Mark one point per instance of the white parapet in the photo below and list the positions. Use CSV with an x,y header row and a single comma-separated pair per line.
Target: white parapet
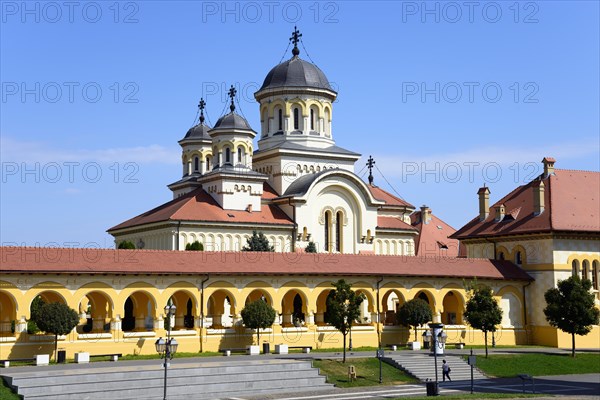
x,y
82,358
42,359
281,349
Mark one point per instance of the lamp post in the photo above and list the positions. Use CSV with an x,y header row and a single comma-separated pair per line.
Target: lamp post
x,y
167,348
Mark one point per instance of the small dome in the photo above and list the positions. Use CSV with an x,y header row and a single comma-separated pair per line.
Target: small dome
x,y
232,121
296,72
198,132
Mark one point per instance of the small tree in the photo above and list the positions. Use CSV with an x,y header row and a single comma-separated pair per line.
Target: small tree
x,y
310,248
415,313
343,307
35,308
194,246
258,315
482,311
57,319
126,245
570,308
258,242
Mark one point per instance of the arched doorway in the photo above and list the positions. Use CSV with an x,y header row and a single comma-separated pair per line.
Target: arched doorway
x,y
139,313
185,313
221,310
8,314
453,306
293,306
391,302
95,312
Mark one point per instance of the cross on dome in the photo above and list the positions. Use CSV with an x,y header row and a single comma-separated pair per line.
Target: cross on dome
x,y
296,35
232,92
370,164
201,106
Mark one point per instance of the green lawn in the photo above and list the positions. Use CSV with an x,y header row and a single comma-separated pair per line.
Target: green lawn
x,y
367,372
504,366
6,393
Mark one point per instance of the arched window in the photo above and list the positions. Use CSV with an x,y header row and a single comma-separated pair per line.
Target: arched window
x,y
312,119
239,155
196,164
227,155
327,230
280,119
574,267
595,275
501,256
518,258
296,119
585,267
208,163
339,223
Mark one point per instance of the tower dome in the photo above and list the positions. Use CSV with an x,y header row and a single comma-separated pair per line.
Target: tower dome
x,y
297,73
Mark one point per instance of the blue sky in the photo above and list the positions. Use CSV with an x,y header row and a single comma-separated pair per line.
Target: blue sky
x,y
444,95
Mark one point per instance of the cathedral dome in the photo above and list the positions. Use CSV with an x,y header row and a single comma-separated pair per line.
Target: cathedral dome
x,y
296,72
232,121
198,132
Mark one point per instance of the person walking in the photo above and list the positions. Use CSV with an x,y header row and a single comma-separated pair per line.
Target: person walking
x,y
446,371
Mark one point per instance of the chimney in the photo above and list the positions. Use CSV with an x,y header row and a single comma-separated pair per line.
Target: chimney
x,y
500,211
425,214
538,197
548,166
484,202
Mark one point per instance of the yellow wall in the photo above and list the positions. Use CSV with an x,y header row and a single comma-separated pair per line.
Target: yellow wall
x,y
107,296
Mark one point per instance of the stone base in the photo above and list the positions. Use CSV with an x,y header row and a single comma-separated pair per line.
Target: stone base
x,y
42,359
82,358
253,350
414,345
281,349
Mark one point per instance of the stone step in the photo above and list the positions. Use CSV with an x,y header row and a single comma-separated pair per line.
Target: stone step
x,y
190,380
193,380
422,367
93,375
227,389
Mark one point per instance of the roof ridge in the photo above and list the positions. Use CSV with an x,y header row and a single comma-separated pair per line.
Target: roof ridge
x,y
577,170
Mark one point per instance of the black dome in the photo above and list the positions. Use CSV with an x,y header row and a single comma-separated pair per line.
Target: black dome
x,y
199,131
296,72
232,121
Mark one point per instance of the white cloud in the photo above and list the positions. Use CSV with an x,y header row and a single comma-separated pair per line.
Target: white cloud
x,y
35,151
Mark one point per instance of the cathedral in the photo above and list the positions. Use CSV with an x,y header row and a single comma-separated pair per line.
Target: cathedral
x,y
299,188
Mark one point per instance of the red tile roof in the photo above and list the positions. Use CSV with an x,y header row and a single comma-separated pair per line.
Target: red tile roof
x,y
105,261
433,237
393,223
269,192
390,199
200,206
572,203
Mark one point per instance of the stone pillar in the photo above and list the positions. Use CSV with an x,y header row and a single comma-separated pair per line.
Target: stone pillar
x,y
98,324
179,322
320,318
115,324
310,319
286,319
159,323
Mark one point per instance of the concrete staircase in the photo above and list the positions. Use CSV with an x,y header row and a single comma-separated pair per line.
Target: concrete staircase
x,y
208,380
421,366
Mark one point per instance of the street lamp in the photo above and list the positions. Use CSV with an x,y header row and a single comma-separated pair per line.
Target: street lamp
x,y
167,348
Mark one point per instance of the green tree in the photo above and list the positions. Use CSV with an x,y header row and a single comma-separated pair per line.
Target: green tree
x,y
258,242
343,307
258,315
310,248
570,308
57,319
415,313
194,246
483,311
36,306
126,245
